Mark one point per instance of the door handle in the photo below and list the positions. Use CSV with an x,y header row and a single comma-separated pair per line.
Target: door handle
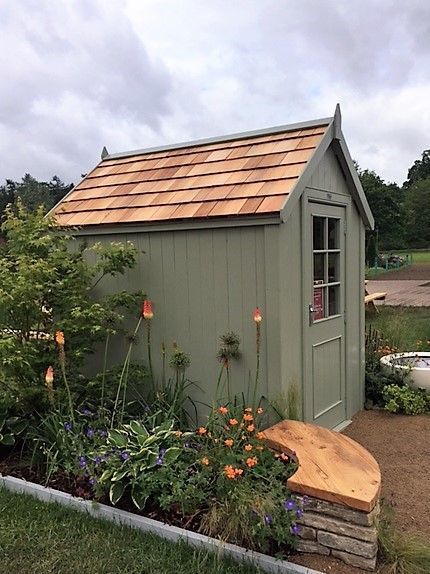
x,y
311,313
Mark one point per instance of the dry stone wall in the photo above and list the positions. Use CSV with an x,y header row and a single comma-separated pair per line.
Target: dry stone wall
x,y
345,533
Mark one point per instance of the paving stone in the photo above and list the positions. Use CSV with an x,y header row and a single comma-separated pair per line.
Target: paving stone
x,y
321,522
354,560
307,533
343,512
346,544
312,547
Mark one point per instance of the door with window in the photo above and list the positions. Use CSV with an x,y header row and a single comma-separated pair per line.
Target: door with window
x,y
324,296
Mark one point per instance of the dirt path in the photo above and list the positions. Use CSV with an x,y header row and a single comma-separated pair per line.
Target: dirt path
x,y
416,271
401,445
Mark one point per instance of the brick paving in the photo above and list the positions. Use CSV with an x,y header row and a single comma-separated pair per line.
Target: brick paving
x,y
403,292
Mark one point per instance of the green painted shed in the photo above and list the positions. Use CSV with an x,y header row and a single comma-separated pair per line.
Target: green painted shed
x,y
273,218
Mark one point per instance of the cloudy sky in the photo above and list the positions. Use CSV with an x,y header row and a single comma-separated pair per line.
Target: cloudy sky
x,y
81,74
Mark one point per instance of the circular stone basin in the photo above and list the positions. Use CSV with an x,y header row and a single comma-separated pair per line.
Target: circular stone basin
x,y
416,366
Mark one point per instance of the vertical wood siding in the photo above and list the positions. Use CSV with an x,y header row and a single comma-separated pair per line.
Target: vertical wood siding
x,y
203,283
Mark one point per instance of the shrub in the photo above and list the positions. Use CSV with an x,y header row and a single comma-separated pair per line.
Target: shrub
x,y
405,400
47,285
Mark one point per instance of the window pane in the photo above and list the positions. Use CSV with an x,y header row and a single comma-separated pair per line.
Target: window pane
x,y
333,233
333,267
319,303
318,232
319,263
333,300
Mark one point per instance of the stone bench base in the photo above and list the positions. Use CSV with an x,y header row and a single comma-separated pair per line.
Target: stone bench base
x,y
335,530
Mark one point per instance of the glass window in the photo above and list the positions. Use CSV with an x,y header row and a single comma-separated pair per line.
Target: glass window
x,y
326,267
319,233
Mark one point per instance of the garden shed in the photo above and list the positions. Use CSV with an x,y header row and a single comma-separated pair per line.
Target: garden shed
x,y
273,219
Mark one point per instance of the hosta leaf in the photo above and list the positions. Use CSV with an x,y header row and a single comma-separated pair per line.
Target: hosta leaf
x,y
7,439
118,439
116,491
119,475
138,429
139,497
171,455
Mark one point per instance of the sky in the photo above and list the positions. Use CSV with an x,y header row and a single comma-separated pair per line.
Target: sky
x,y
78,75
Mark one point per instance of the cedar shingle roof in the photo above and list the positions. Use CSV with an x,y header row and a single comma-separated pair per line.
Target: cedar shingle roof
x,y
236,177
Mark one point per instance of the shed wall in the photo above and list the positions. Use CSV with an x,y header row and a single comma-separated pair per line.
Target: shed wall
x,y
203,283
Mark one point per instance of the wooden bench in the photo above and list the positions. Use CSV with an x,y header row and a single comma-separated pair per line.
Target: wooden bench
x,y
332,466
370,298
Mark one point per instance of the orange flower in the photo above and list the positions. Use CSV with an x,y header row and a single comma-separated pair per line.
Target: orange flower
x,y
228,442
233,422
284,457
248,410
229,471
238,471
205,461
147,311
260,435
257,315
49,377
250,428
223,410
252,461
59,338
260,411
248,418
202,430
178,433
248,447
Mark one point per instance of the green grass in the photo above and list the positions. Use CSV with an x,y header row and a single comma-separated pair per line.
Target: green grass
x,y
40,538
422,256
407,328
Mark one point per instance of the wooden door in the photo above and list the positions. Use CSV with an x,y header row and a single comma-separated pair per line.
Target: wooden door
x,y
324,321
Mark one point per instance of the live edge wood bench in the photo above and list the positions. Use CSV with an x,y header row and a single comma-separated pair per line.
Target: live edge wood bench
x,y
341,483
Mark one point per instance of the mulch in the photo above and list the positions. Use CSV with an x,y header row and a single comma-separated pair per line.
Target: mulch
x,y
416,271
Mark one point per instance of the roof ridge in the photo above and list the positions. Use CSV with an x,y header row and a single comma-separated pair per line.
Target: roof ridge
x,y
223,138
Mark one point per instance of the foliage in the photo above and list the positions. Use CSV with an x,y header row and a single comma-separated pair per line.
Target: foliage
x,y
417,213
10,427
32,193
405,328
386,202
405,400
420,170
47,286
401,553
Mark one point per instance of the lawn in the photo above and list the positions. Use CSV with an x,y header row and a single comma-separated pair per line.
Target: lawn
x,y
407,328
40,538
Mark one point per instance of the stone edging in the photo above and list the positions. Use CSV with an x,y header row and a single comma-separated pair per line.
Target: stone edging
x,y
173,533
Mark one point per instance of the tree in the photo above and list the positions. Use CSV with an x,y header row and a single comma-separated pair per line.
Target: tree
x,y
33,193
48,285
386,203
417,208
420,170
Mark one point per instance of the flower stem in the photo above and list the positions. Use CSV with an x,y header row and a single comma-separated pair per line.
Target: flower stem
x,y
104,369
257,369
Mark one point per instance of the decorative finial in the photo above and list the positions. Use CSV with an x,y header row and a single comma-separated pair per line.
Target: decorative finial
x,y
337,123
105,152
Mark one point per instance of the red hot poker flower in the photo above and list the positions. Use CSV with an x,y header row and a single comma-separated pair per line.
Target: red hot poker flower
x,y
59,338
257,315
147,310
49,376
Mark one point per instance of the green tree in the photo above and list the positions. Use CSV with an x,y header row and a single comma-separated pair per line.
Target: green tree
x,y
48,285
420,170
417,208
386,203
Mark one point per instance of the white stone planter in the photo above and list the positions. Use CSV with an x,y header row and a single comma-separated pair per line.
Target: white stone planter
x,y
173,533
414,366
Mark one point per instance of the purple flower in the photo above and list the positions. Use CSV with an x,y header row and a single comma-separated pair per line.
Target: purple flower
x,y
90,432
85,411
305,500
67,427
299,513
82,461
294,529
92,481
187,445
98,460
289,504
124,455
268,519
162,452
102,433
159,461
